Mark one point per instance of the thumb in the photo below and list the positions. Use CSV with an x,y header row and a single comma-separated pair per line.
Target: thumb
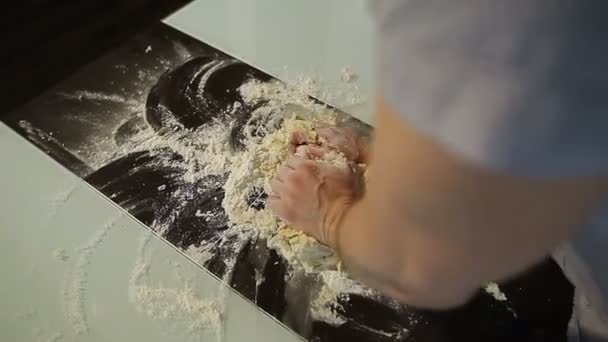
x,y
299,138
311,151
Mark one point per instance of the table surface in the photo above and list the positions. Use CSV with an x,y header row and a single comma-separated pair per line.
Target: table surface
x,y
70,272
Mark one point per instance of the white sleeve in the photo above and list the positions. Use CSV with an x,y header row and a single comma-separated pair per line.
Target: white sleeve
x,y
519,86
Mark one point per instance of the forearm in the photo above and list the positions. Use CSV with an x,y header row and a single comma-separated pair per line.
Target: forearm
x,y
396,261
430,229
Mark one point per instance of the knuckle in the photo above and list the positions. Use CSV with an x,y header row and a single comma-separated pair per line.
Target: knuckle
x,y
274,185
291,177
309,166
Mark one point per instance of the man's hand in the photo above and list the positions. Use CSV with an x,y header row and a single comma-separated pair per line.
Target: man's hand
x,y
345,140
313,196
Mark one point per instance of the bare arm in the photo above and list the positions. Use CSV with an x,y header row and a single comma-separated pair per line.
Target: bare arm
x,y
431,229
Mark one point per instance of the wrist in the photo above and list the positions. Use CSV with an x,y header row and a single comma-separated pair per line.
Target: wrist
x,y
334,221
363,148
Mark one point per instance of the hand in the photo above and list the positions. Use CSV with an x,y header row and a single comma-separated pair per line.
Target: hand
x,y
344,140
312,196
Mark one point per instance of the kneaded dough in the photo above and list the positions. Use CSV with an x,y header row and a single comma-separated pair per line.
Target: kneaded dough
x,y
300,250
255,168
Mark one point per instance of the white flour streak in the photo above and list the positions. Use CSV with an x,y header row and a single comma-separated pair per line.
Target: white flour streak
x,y
61,254
334,285
55,337
182,52
81,95
64,196
199,254
76,289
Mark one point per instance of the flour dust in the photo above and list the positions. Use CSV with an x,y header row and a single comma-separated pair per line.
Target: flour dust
x,y
75,290
179,305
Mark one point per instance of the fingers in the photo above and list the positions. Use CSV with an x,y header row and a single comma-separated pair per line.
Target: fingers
x,y
298,138
277,187
341,139
328,132
279,208
316,151
302,151
303,165
291,174
283,173
311,151
333,136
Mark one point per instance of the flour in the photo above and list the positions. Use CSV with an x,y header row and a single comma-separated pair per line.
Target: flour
x,y
279,94
348,75
177,304
28,315
493,290
56,337
81,95
204,151
200,254
335,284
165,303
76,289
61,199
61,254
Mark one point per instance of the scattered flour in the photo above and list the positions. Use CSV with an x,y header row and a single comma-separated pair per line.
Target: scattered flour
x,y
158,302
55,337
177,304
31,314
278,94
61,198
348,75
493,290
200,254
61,254
204,151
162,187
81,95
148,49
76,288
334,285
